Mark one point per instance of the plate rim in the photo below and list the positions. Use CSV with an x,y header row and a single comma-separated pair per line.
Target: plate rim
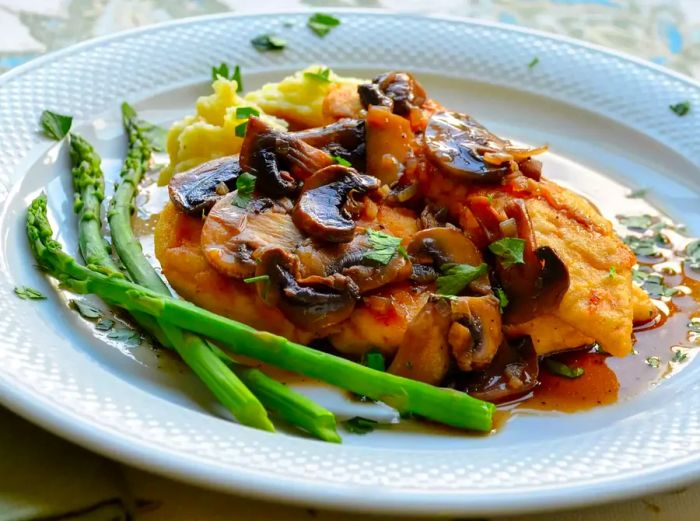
x,y
33,406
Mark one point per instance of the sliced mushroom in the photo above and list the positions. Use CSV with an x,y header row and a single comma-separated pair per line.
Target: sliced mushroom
x,y
196,190
399,91
231,235
278,159
512,373
311,303
327,204
475,333
538,284
345,139
432,248
424,353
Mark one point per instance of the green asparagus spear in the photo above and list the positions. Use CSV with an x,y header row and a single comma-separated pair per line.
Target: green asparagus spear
x,y
295,408
407,396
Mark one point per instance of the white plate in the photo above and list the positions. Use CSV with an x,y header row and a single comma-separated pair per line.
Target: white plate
x,y
607,120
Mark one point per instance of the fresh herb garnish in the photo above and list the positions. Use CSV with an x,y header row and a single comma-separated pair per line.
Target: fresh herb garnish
x,y
692,251
680,109
54,125
341,161
679,356
637,194
323,75
636,222
374,360
257,278
490,198
533,62
123,334
653,361
612,272
652,283
694,325
322,23
241,128
268,42
643,246
510,250
246,112
245,186
27,293
561,369
360,425
456,277
104,325
384,247
86,310
223,71
502,298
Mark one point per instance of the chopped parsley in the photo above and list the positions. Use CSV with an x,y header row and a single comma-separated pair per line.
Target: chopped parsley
x,y
694,325
692,251
502,298
637,194
54,125
27,293
510,250
86,310
360,425
258,278
383,247
129,336
104,325
653,361
246,112
652,283
268,42
490,198
341,161
223,71
680,109
679,357
612,272
533,62
322,23
374,360
643,246
245,186
241,128
561,369
636,222
323,75
456,277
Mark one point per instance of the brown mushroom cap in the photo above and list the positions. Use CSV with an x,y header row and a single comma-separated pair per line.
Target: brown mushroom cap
x,y
311,303
196,190
277,159
399,91
326,205
475,333
345,139
231,235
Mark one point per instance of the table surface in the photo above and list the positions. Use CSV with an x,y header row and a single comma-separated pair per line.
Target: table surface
x,y
663,31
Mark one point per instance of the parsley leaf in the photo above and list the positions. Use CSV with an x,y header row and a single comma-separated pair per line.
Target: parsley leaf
x,y
322,24
323,75
245,186
637,194
680,109
240,129
692,252
384,247
533,62
636,222
456,277
86,310
502,298
679,356
360,425
129,336
27,293
268,42
510,250
223,71
652,283
54,125
612,272
246,112
341,161
374,360
561,369
642,246
653,361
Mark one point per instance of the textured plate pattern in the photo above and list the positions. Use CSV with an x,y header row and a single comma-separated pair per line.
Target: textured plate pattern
x,y
87,79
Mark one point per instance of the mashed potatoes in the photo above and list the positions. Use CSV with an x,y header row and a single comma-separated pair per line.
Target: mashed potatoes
x,y
211,132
